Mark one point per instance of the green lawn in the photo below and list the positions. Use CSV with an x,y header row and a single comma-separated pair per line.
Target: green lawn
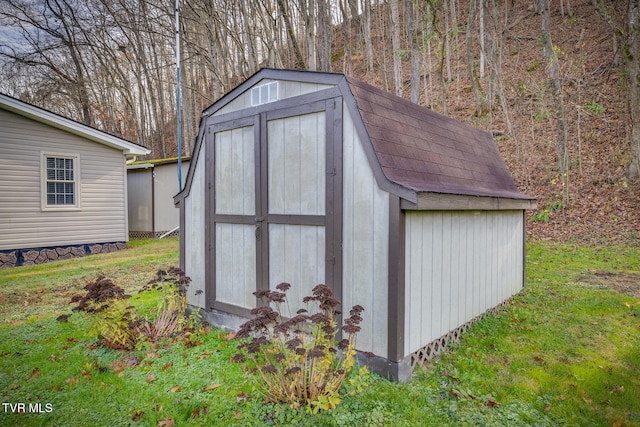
x,y
566,351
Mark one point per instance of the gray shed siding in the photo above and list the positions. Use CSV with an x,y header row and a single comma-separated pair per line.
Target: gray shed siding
x,y
167,217
140,199
193,233
286,89
102,216
365,243
458,265
372,206
150,189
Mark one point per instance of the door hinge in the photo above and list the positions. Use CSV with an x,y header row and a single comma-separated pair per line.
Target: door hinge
x,y
332,172
331,260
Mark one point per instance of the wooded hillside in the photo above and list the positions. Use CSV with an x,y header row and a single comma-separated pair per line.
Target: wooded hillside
x,y
556,81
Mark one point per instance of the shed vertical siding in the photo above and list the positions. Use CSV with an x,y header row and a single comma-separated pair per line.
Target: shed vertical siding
x,y
167,217
235,171
23,224
365,243
194,232
287,89
297,158
236,264
458,265
140,198
296,256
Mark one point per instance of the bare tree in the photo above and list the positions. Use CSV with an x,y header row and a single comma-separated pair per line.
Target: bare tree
x,y
394,22
50,45
482,105
551,54
632,63
412,35
366,29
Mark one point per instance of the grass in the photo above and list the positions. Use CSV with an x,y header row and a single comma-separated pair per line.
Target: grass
x,y
566,351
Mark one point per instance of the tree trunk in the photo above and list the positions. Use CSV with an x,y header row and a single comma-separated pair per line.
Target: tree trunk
x,y
292,35
367,35
632,61
409,17
482,106
395,45
324,35
553,66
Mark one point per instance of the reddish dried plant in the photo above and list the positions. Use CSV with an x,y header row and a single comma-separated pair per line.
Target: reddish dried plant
x,y
302,360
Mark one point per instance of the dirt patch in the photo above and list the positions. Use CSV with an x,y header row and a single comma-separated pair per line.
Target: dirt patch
x,y
625,283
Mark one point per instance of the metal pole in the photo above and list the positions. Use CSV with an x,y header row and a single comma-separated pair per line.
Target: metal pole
x,y
179,130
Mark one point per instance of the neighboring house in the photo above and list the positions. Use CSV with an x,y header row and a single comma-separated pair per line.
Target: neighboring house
x,y
63,190
150,187
311,178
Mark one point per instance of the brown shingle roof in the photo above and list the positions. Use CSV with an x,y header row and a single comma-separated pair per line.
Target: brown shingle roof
x,y
424,151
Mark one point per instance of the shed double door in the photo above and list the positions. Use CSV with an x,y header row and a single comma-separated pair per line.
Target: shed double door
x,y
275,219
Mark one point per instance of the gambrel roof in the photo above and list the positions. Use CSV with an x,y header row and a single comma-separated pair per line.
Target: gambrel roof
x,y
414,152
47,117
424,151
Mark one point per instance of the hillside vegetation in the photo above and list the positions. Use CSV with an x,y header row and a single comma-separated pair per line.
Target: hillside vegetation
x,y
556,82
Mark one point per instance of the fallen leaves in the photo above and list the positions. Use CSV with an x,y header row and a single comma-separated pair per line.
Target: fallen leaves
x,y
195,414
119,365
212,387
175,388
492,403
34,373
228,337
73,381
167,422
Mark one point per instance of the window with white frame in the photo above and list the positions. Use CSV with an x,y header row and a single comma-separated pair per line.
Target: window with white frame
x,y
264,93
60,181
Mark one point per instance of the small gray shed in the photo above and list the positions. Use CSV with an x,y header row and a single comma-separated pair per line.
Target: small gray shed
x,y
151,186
308,178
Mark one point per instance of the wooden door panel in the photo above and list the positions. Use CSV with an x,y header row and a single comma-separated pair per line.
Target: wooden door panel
x,y
296,256
235,171
297,165
236,264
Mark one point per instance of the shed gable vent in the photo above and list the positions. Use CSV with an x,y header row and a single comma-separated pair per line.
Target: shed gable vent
x,y
264,93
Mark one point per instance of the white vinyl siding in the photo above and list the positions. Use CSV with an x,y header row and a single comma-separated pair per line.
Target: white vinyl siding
x,y
458,265
102,186
365,243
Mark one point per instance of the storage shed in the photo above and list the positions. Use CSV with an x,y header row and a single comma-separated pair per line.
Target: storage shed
x,y
151,186
309,178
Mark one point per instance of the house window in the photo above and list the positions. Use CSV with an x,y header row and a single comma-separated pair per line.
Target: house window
x,y
264,93
60,181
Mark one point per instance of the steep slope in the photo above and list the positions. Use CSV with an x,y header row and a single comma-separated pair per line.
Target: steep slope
x,y
593,203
